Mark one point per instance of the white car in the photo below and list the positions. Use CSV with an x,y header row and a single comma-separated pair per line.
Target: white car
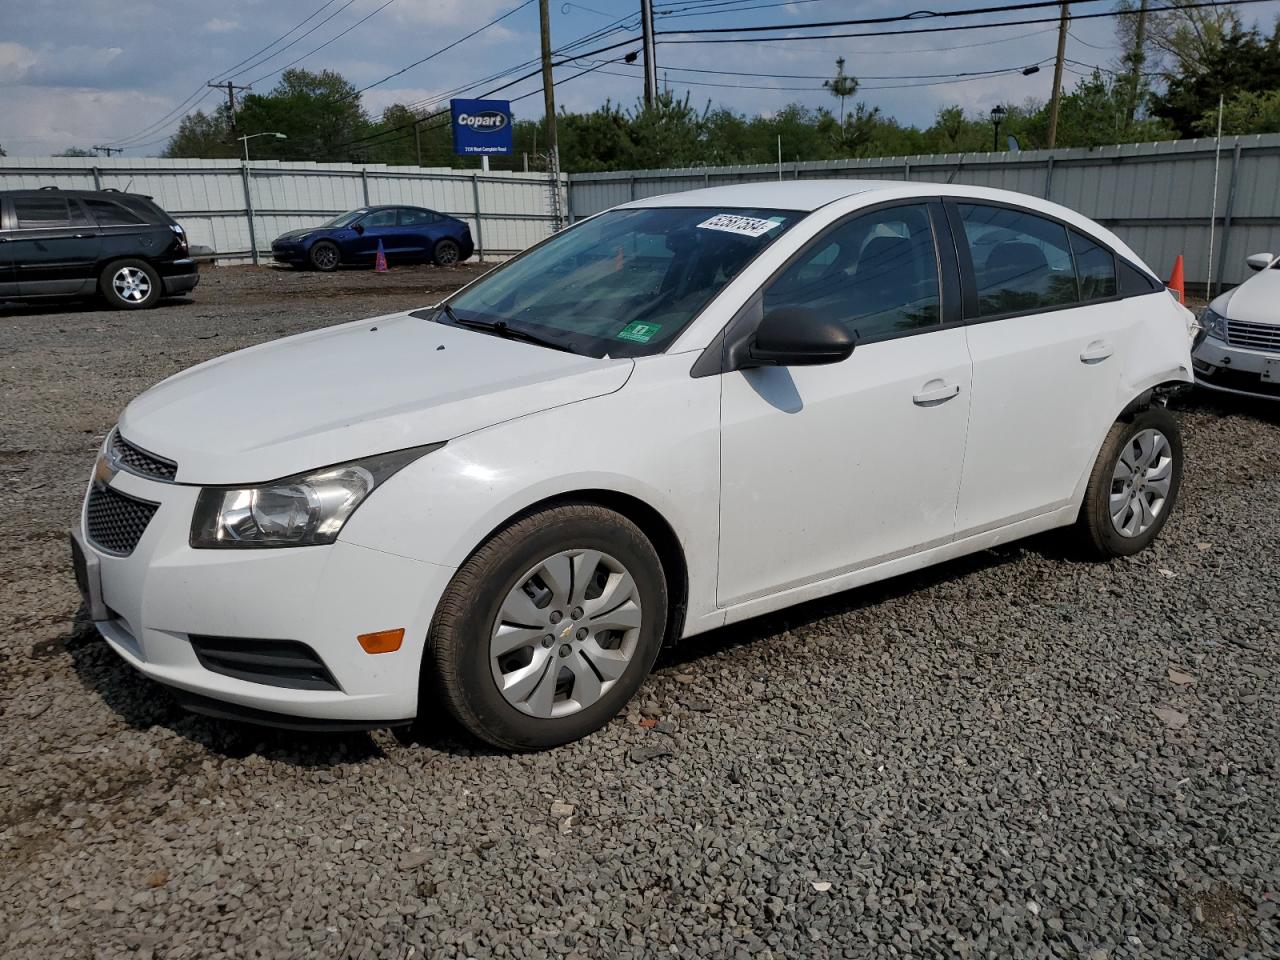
x,y
680,413
1239,350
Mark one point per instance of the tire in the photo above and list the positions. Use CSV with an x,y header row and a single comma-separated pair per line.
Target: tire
x,y
130,285
446,252
324,256
1134,485
503,596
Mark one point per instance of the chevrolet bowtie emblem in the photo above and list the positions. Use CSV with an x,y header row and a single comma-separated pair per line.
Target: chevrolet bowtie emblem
x,y
564,634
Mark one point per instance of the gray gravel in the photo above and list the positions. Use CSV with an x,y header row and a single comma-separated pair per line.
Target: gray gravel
x,y
1015,754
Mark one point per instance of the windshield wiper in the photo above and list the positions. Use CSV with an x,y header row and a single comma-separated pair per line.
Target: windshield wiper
x,y
501,328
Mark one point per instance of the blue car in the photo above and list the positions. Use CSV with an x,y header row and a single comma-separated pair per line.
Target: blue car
x,y
406,234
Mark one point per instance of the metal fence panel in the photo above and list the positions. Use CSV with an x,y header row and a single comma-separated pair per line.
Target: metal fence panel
x,y
209,196
1158,197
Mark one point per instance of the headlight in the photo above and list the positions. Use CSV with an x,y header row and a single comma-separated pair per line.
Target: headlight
x,y
1214,324
298,511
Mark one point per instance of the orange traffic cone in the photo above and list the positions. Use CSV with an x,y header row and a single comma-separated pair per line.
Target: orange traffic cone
x,y
380,261
1176,282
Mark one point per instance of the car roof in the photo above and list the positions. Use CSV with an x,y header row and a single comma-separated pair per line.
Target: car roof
x,y
61,192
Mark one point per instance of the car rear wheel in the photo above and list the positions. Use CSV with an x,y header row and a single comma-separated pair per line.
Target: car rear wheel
x,y
325,256
549,629
446,252
130,285
1134,485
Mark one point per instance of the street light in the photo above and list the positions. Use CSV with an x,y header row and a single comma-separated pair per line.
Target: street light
x,y
247,137
997,115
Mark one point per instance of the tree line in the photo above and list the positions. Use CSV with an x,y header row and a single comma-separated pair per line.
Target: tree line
x,y
1167,85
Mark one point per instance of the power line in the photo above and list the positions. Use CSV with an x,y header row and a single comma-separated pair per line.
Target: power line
x,y
336,36
257,53
301,36
948,29
436,53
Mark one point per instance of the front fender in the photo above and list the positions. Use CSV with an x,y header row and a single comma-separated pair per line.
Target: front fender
x,y
656,440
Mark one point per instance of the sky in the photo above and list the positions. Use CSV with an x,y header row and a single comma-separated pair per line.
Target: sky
x,y
86,72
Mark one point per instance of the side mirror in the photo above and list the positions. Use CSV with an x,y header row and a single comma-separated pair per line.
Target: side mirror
x,y
798,336
358,227
1259,261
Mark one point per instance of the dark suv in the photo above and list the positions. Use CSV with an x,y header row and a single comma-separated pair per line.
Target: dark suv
x,y
74,243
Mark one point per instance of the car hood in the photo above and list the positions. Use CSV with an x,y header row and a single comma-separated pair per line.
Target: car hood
x,y
1257,300
351,391
297,234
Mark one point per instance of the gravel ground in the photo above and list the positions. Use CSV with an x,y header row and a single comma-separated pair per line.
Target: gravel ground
x,y
1016,754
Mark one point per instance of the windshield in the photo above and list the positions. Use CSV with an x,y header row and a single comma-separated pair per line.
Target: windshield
x,y
345,219
625,283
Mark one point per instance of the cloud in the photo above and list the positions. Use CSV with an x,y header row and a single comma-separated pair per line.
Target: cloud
x,y
50,119
219,25
15,61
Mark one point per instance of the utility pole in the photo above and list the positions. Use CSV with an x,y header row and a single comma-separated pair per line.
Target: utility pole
x,y
231,89
1137,59
1057,76
417,141
108,150
650,57
549,105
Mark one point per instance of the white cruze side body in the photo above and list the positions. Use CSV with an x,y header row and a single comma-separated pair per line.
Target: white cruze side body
x,y
735,475
1241,354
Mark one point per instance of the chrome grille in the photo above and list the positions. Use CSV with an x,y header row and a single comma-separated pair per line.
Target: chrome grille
x,y
139,461
1259,336
116,521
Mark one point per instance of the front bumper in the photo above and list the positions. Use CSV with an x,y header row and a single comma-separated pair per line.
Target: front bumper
x,y
288,253
149,604
1230,369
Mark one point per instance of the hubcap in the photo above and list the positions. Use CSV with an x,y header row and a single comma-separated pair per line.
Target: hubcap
x,y
326,256
131,284
565,634
448,253
1140,483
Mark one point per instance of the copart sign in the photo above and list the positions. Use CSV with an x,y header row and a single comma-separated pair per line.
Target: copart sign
x,y
481,126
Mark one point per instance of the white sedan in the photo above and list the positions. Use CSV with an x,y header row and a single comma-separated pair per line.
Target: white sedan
x,y
683,412
1239,350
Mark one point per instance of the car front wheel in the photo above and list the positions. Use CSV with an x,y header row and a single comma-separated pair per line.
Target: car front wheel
x,y
325,256
130,285
1134,485
549,629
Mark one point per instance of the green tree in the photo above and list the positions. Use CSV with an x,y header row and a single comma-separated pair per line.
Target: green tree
x,y
205,135
77,152
842,85
1245,62
1246,112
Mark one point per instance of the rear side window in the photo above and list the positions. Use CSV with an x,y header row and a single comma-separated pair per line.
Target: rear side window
x,y
108,213
1021,262
37,212
877,274
1095,268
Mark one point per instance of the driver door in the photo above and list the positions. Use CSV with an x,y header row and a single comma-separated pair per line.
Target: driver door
x,y
828,469
378,225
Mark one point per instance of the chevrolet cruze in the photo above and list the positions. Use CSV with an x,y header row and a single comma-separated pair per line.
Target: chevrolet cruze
x,y
677,414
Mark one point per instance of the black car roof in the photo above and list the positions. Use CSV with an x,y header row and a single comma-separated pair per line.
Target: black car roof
x,y
44,191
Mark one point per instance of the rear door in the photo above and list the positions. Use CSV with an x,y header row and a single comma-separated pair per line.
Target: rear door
x,y
1049,341
54,246
421,229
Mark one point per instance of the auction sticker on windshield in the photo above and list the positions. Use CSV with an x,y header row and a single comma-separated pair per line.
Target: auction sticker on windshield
x,y
742,226
639,332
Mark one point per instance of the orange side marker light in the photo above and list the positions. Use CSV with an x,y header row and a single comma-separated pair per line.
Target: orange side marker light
x,y
384,641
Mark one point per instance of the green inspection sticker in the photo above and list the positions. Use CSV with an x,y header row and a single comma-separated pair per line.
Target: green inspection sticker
x,y
639,332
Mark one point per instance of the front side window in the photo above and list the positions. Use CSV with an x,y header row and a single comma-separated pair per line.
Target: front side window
x,y
380,218
877,274
625,283
1021,262
345,219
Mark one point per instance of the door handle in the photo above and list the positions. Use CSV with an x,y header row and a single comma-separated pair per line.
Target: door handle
x,y
1097,351
83,236
936,392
